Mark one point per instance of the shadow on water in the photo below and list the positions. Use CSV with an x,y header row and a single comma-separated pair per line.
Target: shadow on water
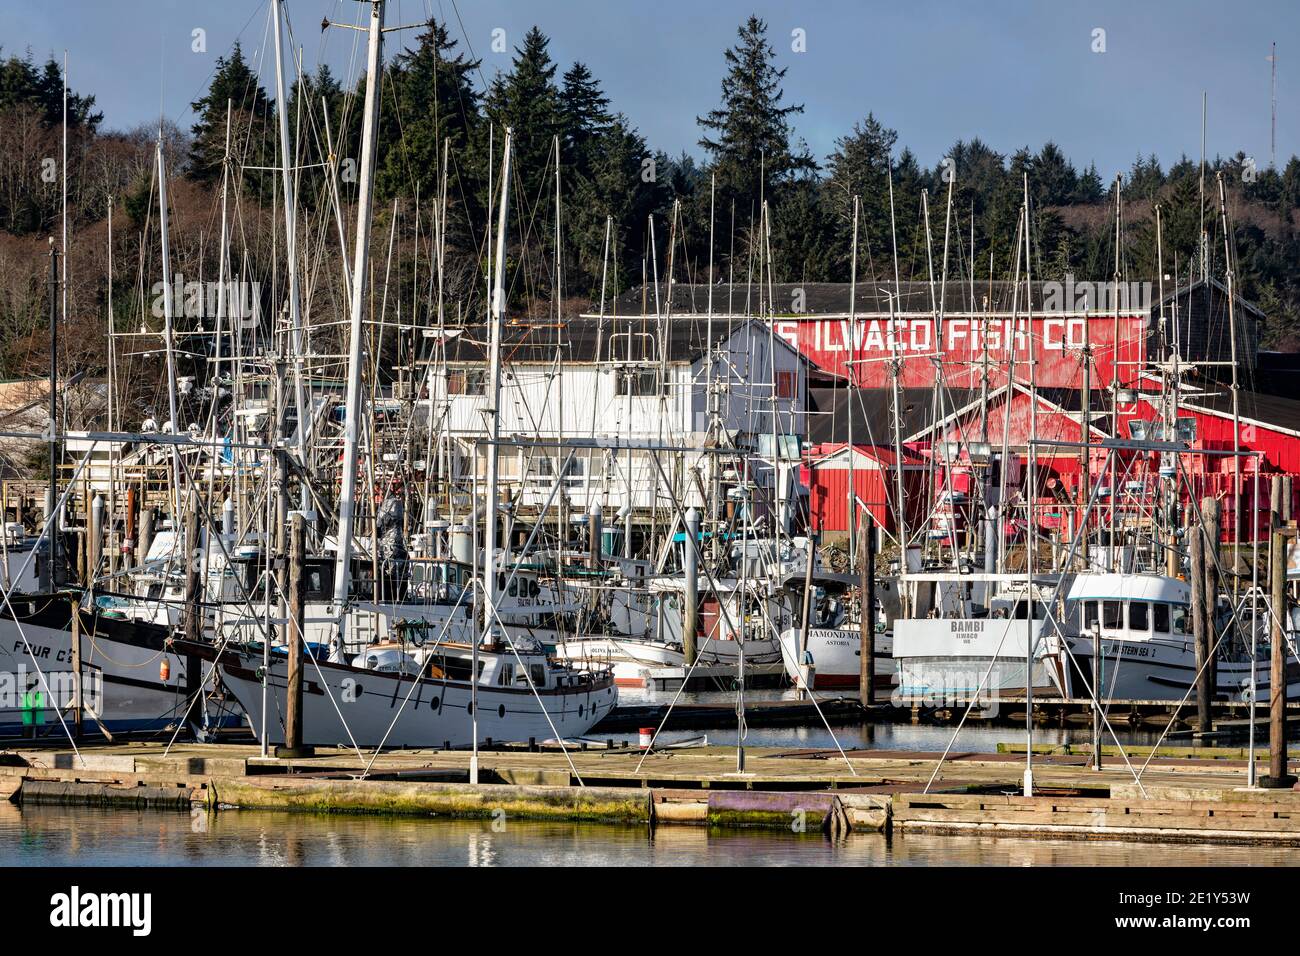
x,y
78,836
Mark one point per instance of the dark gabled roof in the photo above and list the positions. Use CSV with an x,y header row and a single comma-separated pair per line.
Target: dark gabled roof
x,y
1216,287
588,339
821,298
871,412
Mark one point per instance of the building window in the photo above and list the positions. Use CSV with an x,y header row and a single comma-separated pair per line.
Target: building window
x,y
466,381
639,383
787,382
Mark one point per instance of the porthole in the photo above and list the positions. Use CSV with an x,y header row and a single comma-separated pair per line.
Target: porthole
x,y
580,709
501,711
434,703
469,708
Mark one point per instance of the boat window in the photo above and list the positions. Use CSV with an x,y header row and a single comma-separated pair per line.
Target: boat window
x,y
1138,617
1089,614
1112,615
1021,611
1161,618
513,590
539,674
1180,619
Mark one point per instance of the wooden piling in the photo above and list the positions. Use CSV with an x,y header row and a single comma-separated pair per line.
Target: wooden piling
x,y
77,697
297,601
1277,778
1213,560
1200,628
867,613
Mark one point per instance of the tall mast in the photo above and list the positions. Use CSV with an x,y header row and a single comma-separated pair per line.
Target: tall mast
x,y
168,297
896,369
1031,490
1236,410
853,330
493,411
1203,240
1272,116
290,247
1114,377
356,334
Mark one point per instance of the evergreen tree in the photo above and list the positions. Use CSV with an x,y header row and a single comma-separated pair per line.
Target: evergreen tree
x,y
253,133
859,166
1089,189
748,137
527,100
613,186
584,112
435,101
21,84
1052,179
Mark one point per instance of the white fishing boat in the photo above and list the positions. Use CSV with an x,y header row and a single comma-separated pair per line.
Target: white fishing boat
x,y
130,680
421,695
1148,651
833,655
961,651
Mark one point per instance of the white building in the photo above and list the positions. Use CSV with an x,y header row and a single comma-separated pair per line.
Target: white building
x,y
640,381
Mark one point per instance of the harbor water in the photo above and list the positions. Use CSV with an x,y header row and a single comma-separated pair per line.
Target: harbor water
x,y
46,835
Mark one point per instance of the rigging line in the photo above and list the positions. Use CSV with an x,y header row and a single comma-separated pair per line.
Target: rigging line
x,y
210,525
1050,619
54,548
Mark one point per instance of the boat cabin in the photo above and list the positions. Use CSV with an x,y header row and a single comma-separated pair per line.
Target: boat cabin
x,y
1132,606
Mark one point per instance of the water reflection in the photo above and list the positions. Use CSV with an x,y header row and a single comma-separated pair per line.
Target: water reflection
x,y
77,836
975,735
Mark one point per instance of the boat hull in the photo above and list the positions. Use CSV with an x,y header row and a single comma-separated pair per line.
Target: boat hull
x,y
122,664
1161,670
836,657
348,706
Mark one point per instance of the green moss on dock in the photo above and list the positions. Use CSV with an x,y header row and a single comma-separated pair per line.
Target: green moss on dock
x,y
463,801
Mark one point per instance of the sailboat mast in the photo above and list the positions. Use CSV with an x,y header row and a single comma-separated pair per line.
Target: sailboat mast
x,y
168,298
1236,409
493,411
356,334
289,192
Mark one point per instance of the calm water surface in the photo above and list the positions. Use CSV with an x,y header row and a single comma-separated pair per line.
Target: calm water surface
x,y
78,836
975,735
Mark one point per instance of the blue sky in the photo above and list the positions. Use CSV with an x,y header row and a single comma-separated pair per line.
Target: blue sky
x,y
1013,72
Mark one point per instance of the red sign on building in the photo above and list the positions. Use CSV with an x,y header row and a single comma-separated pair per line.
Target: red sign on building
x,y
967,347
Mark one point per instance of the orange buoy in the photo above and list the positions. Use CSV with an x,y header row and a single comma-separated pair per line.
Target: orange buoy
x,y
165,670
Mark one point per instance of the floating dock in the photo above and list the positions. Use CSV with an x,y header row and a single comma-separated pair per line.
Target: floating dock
x,y
1183,794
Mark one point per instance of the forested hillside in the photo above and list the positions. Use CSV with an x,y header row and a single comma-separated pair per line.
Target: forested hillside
x,y
437,100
